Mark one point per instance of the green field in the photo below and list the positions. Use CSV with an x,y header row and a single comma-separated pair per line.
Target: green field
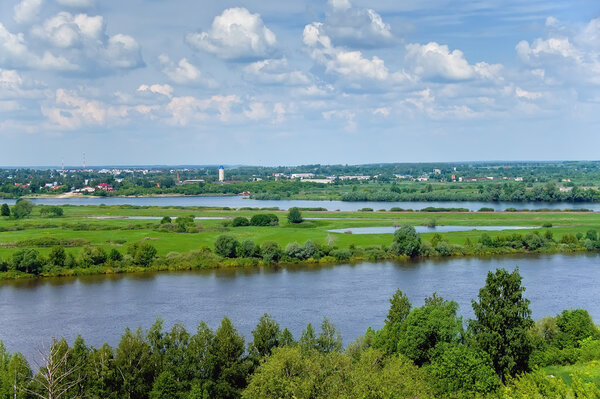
x,y
80,222
588,372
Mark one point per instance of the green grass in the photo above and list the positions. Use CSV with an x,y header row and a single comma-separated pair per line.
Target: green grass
x,y
588,372
121,232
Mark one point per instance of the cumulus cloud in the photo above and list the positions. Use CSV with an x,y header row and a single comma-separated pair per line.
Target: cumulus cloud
x,y
256,111
16,87
349,64
528,95
27,10
236,34
436,61
274,71
345,115
565,55
184,72
78,43
15,53
347,25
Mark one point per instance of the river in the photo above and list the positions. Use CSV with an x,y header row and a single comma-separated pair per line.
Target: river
x,y
354,297
239,202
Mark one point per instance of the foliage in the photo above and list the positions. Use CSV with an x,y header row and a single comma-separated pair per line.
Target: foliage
x,y
406,241
240,221
503,319
264,219
22,209
226,246
4,210
294,215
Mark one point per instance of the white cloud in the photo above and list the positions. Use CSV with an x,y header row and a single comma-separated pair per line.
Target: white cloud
x,y
184,73
352,26
165,90
528,95
236,34
184,110
82,39
274,71
565,55
27,10
257,111
72,111
14,53
350,64
436,61
383,111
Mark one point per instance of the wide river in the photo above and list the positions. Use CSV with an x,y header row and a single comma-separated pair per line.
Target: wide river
x,y
354,297
238,202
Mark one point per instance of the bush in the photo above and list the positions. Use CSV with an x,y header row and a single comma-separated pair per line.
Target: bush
x,y
240,221
341,254
406,241
271,252
27,261
264,219
547,225
52,211
165,220
248,249
22,209
226,246
484,209
4,210
294,215
142,254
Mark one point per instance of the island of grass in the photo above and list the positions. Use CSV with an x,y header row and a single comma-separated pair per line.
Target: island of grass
x,y
122,238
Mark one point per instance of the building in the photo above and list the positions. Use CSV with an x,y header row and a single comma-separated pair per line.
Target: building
x,y
303,175
221,174
105,187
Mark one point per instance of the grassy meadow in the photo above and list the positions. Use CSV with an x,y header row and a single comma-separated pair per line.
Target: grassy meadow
x,y
82,223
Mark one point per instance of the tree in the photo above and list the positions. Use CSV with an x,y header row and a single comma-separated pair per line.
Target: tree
x,y
329,339
387,338
4,210
573,327
240,221
406,241
271,252
503,319
248,249
267,336
57,256
425,327
226,246
462,370
294,215
22,209
165,387
142,253
27,261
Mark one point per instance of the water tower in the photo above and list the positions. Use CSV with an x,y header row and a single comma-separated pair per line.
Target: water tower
x,y
221,174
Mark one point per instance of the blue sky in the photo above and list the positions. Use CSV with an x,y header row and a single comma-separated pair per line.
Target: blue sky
x,y
284,83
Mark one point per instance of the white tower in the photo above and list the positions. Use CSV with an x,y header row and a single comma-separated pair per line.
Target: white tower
x,y
221,174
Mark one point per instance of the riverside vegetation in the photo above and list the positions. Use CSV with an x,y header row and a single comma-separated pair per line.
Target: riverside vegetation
x,y
72,240
420,352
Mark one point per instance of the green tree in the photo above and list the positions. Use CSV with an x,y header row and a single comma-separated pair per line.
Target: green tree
x,y
22,209
114,255
248,249
134,368
573,327
226,246
462,371
406,241
165,386
271,251
240,221
27,261
425,327
294,215
57,256
267,335
503,319
142,253
329,339
4,210
387,338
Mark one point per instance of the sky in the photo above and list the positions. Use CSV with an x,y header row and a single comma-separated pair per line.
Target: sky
x,y
286,83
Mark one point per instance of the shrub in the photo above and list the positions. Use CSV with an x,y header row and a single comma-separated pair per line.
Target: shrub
x,y
226,246
165,220
341,254
240,221
406,241
22,209
4,210
547,225
484,209
264,219
271,252
248,249
142,254
294,215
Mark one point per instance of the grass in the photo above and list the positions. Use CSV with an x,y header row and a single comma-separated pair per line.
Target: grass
x,y
588,372
109,233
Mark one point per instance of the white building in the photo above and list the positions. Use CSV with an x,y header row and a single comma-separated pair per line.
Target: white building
x,y
303,175
221,174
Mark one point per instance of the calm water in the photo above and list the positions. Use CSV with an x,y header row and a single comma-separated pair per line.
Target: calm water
x,y
354,297
238,202
426,229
